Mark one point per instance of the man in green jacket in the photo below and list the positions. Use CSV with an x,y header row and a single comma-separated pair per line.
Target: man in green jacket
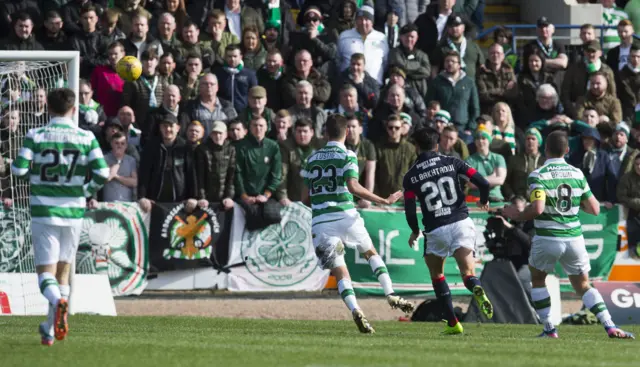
x,y
258,165
458,94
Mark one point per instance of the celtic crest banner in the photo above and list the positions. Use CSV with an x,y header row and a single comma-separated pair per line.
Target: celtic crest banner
x,y
279,257
114,241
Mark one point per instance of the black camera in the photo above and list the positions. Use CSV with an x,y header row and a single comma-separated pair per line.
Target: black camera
x,y
494,236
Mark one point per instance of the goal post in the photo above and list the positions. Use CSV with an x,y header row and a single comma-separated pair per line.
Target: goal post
x,y
25,79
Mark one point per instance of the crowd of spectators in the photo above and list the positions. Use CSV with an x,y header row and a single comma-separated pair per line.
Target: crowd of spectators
x,y
234,95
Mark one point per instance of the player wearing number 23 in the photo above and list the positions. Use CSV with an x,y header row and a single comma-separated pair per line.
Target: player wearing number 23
x,y
434,182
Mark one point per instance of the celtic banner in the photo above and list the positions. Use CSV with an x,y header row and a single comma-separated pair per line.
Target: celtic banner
x,y
389,232
114,241
277,258
181,240
16,254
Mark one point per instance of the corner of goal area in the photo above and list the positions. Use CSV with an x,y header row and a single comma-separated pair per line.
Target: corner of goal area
x,y
20,295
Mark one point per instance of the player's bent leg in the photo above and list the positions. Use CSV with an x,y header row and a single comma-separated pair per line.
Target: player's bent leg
x,y
594,302
382,274
542,302
345,288
61,315
443,294
466,263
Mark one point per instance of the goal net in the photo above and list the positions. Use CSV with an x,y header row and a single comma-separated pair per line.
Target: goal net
x,y
26,77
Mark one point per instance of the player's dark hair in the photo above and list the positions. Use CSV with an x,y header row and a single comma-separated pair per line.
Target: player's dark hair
x,y
61,101
304,122
336,127
557,143
426,138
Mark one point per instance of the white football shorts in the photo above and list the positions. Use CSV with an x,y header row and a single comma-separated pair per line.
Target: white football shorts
x,y
570,253
350,231
444,241
53,244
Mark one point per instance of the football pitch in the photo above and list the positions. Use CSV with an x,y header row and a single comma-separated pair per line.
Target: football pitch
x,y
195,341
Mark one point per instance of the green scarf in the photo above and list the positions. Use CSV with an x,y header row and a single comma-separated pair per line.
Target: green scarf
x,y
93,105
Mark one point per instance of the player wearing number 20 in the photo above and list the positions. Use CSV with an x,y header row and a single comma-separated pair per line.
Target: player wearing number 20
x,y
558,190
55,159
331,177
434,181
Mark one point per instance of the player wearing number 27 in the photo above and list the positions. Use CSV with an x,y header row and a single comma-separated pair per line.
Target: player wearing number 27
x,y
434,181
558,190
55,159
331,180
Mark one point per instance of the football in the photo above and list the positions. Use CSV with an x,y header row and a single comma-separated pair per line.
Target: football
x,y
129,68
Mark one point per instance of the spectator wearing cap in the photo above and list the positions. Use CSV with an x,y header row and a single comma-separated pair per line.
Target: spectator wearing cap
x,y
192,45
519,166
235,80
278,14
489,164
532,76
356,75
257,107
596,166
628,85
316,39
413,100
145,94
457,93
394,156
215,168
618,57
612,15
123,172
471,56
304,108
365,152
496,80
294,156
413,61
576,79
258,176
270,77
272,41
50,35
393,104
621,154
208,107
450,142
554,53
600,98
432,24
367,41
89,41
217,34
303,70
166,170
343,19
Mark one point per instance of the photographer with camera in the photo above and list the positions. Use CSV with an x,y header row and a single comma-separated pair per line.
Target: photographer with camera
x,y
511,240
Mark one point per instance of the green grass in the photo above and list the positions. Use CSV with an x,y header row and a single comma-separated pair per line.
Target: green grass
x,y
190,341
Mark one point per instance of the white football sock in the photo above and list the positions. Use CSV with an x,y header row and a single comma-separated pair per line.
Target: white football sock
x,y
380,271
542,304
65,290
594,302
49,288
348,295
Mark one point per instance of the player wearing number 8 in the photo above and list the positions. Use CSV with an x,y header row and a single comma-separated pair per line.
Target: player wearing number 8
x,y
331,180
434,182
56,159
558,190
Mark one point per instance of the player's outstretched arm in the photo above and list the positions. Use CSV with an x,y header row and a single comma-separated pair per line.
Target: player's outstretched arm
x,y
22,164
538,199
356,189
410,211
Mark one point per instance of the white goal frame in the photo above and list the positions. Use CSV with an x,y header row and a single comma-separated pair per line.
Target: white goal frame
x,y
72,59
